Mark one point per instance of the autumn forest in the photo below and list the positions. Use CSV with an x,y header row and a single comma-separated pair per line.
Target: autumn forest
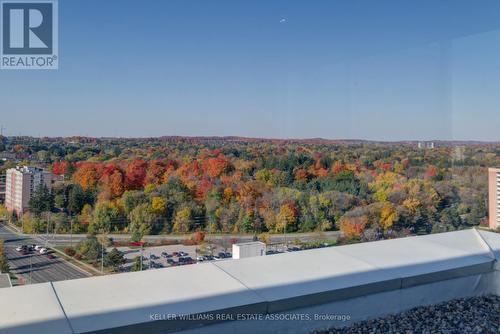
x,y
367,190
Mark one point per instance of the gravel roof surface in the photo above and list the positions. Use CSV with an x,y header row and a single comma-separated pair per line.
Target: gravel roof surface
x,y
471,315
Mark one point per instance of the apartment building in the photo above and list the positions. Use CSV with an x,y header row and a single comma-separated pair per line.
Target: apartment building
x,y
21,183
494,197
2,187
426,145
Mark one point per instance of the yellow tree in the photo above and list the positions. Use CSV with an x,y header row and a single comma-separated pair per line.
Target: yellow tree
x,y
287,217
388,216
159,205
411,204
182,220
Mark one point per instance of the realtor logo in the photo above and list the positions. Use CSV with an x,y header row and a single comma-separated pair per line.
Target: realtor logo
x,y
29,34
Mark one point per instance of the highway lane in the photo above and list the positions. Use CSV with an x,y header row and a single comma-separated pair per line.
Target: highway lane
x,y
66,239
36,268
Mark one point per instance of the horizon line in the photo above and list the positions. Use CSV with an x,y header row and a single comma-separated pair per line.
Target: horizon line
x,y
228,137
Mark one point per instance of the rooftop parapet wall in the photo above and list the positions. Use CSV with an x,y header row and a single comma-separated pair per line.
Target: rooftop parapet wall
x,y
137,302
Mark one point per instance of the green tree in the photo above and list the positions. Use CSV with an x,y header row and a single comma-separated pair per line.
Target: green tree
x,y
41,201
90,248
105,214
59,201
477,212
114,259
133,198
141,221
4,264
77,198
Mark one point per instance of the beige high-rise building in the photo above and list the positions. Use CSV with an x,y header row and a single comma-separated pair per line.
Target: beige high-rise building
x,y
494,197
21,183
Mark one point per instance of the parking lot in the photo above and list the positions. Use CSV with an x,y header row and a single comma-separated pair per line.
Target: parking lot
x,y
170,256
177,255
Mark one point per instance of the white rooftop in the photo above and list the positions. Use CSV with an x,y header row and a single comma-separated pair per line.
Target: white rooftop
x,y
255,285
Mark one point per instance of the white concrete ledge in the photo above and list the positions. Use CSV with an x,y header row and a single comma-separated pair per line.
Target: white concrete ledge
x,y
139,302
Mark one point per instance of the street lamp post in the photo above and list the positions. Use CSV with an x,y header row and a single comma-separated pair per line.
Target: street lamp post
x,y
285,241
102,258
47,233
141,255
103,238
31,265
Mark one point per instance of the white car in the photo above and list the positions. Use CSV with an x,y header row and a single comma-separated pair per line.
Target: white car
x,y
38,247
20,248
43,251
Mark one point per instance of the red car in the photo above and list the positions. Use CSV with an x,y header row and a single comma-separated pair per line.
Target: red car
x,y
50,256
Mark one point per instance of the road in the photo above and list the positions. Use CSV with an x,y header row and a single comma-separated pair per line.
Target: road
x,y
66,239
36,268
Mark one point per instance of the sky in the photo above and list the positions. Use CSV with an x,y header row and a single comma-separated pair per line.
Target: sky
x,y
377,70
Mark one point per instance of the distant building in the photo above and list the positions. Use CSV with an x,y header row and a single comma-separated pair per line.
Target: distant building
x,y
2,188
494,197
21,183
425,144
249,249
458,153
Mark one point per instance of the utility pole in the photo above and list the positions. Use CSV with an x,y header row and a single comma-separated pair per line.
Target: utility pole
x,y
102,258
54,233
141,256
285,241
71,232
31,265
47,233
102,239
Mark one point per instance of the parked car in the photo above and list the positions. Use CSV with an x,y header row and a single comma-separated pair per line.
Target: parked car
x,y
38,247
50,256
200,258
183,254
186,260
43,251
171,262
20,248
175,254
224,255
166,255
154,257
156,264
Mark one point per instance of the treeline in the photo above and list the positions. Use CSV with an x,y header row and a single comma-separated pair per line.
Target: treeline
x,y
151,186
